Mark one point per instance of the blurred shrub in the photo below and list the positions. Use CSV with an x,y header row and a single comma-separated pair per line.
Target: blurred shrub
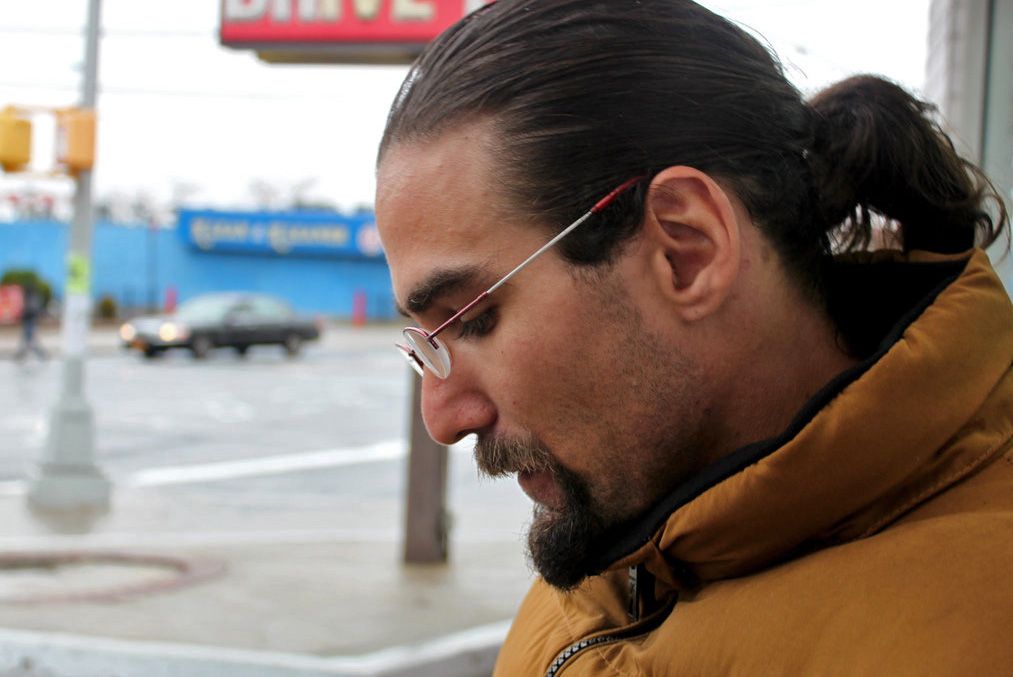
x,y
107,308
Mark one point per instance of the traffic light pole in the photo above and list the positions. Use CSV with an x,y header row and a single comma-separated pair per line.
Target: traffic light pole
x,y
68,479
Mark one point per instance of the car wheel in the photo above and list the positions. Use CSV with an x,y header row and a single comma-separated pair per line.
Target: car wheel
x,y
293,344
200,347
242,350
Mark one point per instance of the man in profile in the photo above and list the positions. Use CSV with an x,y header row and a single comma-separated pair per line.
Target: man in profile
x,y
638,266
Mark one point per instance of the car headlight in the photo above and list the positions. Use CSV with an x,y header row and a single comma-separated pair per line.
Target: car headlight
x,y
169,332
127,332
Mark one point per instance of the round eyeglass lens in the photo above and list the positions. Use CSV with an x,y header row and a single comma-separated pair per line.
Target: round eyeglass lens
x,y
436,357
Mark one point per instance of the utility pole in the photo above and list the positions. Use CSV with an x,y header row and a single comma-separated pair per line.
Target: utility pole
x,y
67,480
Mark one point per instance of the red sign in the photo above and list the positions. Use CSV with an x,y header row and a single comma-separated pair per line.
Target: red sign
x,y
12,302
328,22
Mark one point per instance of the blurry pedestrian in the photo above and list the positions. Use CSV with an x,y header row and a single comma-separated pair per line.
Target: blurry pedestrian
x,y
33,306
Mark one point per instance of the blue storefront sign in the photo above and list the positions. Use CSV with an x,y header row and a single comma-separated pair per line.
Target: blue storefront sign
x,y
137,266
281,233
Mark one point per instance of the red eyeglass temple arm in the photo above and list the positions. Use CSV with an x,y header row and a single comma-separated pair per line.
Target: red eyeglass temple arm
x,y
598,207
610,198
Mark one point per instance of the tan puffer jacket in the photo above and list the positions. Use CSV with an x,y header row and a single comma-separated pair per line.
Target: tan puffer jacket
x,y
875,537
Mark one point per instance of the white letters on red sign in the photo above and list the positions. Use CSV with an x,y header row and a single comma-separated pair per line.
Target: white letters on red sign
x,y
366,10
282,10
330,10
244,10
413,10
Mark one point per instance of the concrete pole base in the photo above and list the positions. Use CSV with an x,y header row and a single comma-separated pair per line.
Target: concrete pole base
x,y
68,489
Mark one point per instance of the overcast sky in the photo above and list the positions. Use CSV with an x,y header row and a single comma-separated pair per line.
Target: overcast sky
x,y
178,111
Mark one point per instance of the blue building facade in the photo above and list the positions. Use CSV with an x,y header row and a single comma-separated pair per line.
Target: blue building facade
x,y
320,262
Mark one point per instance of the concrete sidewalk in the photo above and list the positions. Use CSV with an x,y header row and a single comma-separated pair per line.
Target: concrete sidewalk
x,y
173,581
210,599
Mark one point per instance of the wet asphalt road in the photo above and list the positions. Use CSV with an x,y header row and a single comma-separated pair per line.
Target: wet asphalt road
x,y
349,391
244,417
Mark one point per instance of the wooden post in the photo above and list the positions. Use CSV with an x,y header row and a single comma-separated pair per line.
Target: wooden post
x,y
426,528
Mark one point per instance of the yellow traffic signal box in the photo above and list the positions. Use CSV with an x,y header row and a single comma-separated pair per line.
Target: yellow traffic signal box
x,y
15,140
75,143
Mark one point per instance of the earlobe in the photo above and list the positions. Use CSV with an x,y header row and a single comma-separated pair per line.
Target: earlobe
x,y
695,231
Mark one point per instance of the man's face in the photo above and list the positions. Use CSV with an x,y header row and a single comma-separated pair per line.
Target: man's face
x,y
566,376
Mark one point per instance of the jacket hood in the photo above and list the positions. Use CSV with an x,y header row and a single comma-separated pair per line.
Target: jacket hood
x,y
881,438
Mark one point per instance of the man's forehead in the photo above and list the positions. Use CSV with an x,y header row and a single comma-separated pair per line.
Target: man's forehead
x,y
460,157
437,212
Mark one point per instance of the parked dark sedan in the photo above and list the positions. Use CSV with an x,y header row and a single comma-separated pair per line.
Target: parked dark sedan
x,y
234,319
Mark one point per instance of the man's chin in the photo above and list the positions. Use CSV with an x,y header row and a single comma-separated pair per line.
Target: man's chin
x,y
562,546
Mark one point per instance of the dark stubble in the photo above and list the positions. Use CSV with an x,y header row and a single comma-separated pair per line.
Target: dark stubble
x,y
563,543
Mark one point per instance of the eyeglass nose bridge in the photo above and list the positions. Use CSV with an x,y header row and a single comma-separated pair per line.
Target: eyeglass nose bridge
x,y
412,358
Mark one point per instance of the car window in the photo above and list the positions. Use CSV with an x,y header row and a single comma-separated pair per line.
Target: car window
x,y
267,308
205,309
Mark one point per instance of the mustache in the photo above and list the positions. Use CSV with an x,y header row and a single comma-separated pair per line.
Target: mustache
x,y
499,455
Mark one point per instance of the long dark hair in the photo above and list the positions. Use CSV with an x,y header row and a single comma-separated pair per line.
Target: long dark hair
x,y
584,94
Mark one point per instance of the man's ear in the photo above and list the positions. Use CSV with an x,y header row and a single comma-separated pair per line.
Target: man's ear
x,y
695,237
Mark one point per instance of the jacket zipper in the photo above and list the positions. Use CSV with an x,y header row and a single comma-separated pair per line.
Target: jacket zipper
x,y
638,629
574,649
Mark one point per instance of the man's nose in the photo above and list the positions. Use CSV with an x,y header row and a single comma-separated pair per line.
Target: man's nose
x,y
454,407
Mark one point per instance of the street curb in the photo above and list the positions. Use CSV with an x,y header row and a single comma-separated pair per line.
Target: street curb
x,y
471,653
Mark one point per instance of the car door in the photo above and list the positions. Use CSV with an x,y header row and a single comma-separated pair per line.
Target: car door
x,y
273,318
241,326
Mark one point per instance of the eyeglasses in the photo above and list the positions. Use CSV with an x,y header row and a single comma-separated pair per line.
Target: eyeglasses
x,y
425,351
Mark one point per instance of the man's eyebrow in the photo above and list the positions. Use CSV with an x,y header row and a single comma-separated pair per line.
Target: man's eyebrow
x,y
437,284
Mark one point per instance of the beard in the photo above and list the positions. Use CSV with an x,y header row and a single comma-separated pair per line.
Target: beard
x,y
564,542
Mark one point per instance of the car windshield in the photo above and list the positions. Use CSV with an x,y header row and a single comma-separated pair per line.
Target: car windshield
x,y
205,308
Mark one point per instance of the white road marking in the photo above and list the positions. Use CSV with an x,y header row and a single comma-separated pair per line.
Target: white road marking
x,y
390,450
268,465
12,488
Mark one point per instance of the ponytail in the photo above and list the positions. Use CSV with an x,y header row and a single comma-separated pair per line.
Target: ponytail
x,y
877,152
